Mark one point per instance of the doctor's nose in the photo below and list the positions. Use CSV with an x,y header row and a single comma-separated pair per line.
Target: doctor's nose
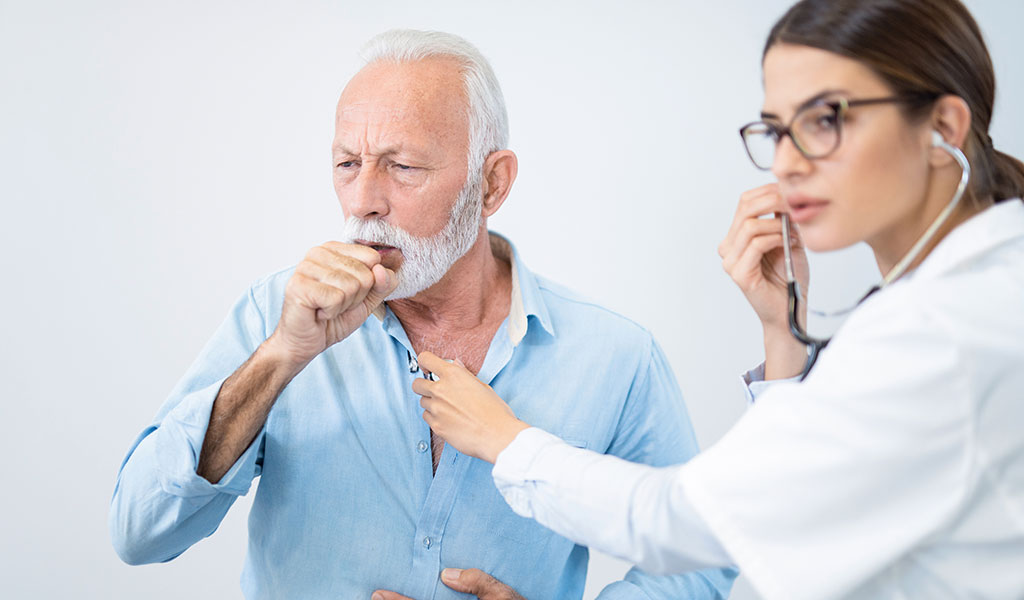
x,y
789,160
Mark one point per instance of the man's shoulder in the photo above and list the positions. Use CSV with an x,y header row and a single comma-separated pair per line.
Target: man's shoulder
x,y
268,291
574,311
274,281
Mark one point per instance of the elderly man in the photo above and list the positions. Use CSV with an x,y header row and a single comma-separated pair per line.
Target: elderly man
x,y
308,383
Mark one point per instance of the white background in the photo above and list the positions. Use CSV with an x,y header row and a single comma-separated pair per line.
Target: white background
x,y
156,158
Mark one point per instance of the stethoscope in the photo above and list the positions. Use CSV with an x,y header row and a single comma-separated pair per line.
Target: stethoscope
x,y
816,345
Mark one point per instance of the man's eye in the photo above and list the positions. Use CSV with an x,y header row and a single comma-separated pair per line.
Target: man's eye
x,y
347,164
402,167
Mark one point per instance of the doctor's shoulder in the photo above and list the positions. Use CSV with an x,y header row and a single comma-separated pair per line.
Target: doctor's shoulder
x,y
973,312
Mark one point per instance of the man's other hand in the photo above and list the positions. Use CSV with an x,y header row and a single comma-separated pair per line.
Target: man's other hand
x,y
470,581
333,290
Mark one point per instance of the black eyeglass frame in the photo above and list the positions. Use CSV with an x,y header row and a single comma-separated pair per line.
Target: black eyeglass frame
x,y
839,107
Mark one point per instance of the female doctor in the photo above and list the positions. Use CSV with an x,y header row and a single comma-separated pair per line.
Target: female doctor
x,y
892,466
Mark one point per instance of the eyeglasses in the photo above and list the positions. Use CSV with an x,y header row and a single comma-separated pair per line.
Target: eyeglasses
x,y
815,129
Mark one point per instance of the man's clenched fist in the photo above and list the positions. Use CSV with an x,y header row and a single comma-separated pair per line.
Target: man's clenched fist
x,y
333,290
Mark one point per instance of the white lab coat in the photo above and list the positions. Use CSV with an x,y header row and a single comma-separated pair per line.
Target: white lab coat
x,y
896,470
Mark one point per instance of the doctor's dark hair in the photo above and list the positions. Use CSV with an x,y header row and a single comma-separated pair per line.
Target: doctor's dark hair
x,y
921,49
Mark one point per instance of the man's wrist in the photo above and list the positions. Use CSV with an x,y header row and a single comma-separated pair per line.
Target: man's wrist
x,y
284,365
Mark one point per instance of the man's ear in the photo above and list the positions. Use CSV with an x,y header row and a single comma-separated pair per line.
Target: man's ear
x,y
951,117
500,170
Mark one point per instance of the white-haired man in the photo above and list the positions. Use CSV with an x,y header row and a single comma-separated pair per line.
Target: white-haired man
x,y
302,387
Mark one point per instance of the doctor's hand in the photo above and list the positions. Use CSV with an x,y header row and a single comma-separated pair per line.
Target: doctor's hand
x,y
752,255
469,581
465,411
333,290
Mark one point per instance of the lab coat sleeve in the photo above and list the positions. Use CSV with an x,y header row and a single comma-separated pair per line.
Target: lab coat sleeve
x,y
632,511
823,484
160,505
654,429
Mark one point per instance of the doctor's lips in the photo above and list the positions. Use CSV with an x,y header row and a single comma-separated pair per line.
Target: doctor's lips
x,y
804,208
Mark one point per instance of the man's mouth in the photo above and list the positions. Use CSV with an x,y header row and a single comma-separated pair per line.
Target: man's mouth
x,y
378,247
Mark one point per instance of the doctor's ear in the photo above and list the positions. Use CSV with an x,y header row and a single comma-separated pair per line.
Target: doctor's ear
x,y
951,119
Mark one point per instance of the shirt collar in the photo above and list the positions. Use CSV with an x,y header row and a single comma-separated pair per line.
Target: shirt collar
x,y
527,299
986,230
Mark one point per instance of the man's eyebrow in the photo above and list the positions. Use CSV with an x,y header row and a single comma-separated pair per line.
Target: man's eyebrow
x,y
386,151
812,100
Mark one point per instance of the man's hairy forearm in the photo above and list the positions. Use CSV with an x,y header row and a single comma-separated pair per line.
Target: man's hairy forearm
x,y
241,409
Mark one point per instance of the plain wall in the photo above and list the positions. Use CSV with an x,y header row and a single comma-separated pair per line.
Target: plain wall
x,y
156,158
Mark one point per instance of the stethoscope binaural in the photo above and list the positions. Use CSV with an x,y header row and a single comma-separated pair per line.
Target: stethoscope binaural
x,y
816,345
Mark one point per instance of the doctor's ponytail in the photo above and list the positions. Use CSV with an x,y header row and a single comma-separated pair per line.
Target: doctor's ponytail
x,y
1009,176
920,48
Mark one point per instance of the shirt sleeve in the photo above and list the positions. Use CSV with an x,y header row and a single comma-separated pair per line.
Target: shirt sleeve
x,y
655,430
160,505
824,484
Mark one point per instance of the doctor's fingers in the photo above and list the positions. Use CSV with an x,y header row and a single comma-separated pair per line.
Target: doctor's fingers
x,y
748,271
424,387
753,203
439,366
436,415
750,230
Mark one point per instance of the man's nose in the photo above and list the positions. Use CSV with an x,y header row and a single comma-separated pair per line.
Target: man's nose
x,y
367,197
789,160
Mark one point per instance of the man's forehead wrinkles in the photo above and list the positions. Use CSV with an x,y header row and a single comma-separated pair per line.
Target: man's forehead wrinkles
x,y
367,112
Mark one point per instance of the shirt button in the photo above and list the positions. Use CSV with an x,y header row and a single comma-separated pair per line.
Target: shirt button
x,y
426,542
422,446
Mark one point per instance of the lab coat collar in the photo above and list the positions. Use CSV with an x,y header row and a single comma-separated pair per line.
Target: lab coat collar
x,y
981,233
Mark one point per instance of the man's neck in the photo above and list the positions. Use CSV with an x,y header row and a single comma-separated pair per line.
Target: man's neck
x,y
474,293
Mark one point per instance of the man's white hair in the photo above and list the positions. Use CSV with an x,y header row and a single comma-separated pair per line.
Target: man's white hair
x,y
488,119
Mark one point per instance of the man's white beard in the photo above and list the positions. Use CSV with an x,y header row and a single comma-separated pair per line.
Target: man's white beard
x,y
425,260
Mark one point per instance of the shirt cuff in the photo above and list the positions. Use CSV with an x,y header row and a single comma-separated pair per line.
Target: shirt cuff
x,y
179,441
754,384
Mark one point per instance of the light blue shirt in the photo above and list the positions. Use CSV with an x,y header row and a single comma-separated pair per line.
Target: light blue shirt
x,y
347,502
